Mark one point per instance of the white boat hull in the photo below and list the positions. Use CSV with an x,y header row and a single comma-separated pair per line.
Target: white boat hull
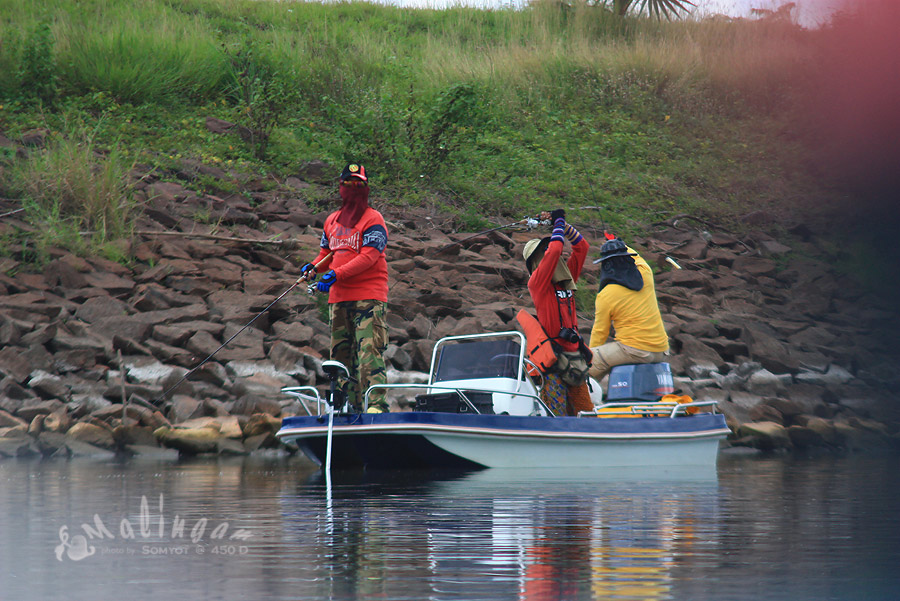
x,y
421,439
533,452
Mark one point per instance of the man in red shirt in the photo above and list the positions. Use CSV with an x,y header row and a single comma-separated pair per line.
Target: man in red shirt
x,y
555,265
356,281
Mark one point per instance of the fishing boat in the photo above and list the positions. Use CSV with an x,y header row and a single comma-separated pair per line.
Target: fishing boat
x,y
481,408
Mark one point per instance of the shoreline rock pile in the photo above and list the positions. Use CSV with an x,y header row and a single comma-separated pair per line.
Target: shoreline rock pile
x,y
796,356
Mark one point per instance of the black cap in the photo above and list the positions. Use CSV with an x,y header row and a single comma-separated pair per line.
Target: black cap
x,y
354,170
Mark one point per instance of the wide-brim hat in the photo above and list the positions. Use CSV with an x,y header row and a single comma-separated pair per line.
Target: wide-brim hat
x,y
537,245
614,248
354,170
535,249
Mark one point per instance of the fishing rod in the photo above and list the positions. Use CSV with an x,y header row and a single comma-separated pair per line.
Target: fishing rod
x,y
529,222
606,234
309,273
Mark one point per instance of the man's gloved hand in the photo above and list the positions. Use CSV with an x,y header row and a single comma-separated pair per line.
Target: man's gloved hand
x,y
327,280
557,214
308,271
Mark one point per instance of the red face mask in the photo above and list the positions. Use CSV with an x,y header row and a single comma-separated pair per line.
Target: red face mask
x,y
355,202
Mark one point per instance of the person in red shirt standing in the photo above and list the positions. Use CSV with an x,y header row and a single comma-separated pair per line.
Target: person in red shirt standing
x,y
555,265
356,281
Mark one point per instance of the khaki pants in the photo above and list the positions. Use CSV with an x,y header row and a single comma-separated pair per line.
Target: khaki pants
x,y
615,353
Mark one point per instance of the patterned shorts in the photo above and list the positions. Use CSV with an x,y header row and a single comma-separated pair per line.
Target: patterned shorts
x,y
563,400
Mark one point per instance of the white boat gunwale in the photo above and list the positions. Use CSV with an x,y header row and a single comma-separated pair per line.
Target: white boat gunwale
x,y
288,433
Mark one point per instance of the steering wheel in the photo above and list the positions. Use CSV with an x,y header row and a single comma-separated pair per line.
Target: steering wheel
x,y
503,357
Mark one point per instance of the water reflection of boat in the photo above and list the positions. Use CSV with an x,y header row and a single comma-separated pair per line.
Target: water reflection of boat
x,y
510,534
680,476
607,533
482,409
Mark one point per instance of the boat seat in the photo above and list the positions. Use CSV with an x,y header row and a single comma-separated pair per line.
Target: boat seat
x,y
639,382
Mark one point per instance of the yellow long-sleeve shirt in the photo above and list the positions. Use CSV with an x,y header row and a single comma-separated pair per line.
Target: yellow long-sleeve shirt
x,y
635,314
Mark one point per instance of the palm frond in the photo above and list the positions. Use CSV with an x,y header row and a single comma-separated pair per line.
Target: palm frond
x,y
657,8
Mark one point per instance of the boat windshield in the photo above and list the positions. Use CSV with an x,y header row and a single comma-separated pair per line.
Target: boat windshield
x,y
478,359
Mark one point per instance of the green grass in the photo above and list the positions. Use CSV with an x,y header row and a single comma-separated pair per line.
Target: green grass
x,y
76,196
489,115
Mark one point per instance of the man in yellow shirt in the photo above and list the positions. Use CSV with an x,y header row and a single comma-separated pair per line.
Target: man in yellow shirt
x,y
626,302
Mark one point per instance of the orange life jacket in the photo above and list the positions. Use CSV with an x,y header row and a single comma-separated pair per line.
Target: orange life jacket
x,y
646,409
680,399
539,347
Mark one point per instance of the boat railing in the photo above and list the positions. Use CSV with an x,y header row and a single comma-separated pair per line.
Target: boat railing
x,y
614,409
631,409
298,393
538,403
301,394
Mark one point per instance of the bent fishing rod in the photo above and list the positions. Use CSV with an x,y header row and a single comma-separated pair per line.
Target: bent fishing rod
x,y
306,276
606,234
530,222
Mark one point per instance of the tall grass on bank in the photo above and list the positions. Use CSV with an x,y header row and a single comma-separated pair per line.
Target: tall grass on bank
x,y
168,62
75,195
157,49
482,112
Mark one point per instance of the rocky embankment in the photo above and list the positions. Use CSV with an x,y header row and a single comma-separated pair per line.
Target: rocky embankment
x,y
796,356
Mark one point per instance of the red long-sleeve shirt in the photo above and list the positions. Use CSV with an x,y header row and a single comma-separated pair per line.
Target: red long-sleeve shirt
x,y
550,301
358,262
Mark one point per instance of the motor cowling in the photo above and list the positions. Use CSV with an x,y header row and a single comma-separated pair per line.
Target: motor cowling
x,y
639,382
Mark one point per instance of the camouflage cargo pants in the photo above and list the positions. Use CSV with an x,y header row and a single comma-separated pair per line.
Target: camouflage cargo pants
x,y
358,340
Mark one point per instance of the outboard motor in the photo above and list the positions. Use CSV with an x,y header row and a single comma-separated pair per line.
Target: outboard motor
x,y
337,397
639,382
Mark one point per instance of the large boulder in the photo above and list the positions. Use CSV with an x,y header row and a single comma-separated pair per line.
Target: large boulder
x,y
14,365
261,423
765,435
699,354
190,441
769,350
92,434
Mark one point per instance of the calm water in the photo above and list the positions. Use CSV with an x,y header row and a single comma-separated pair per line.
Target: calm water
x,y
754,528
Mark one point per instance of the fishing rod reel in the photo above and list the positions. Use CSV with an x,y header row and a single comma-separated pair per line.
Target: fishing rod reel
x,y
310,279
532,223
541,219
